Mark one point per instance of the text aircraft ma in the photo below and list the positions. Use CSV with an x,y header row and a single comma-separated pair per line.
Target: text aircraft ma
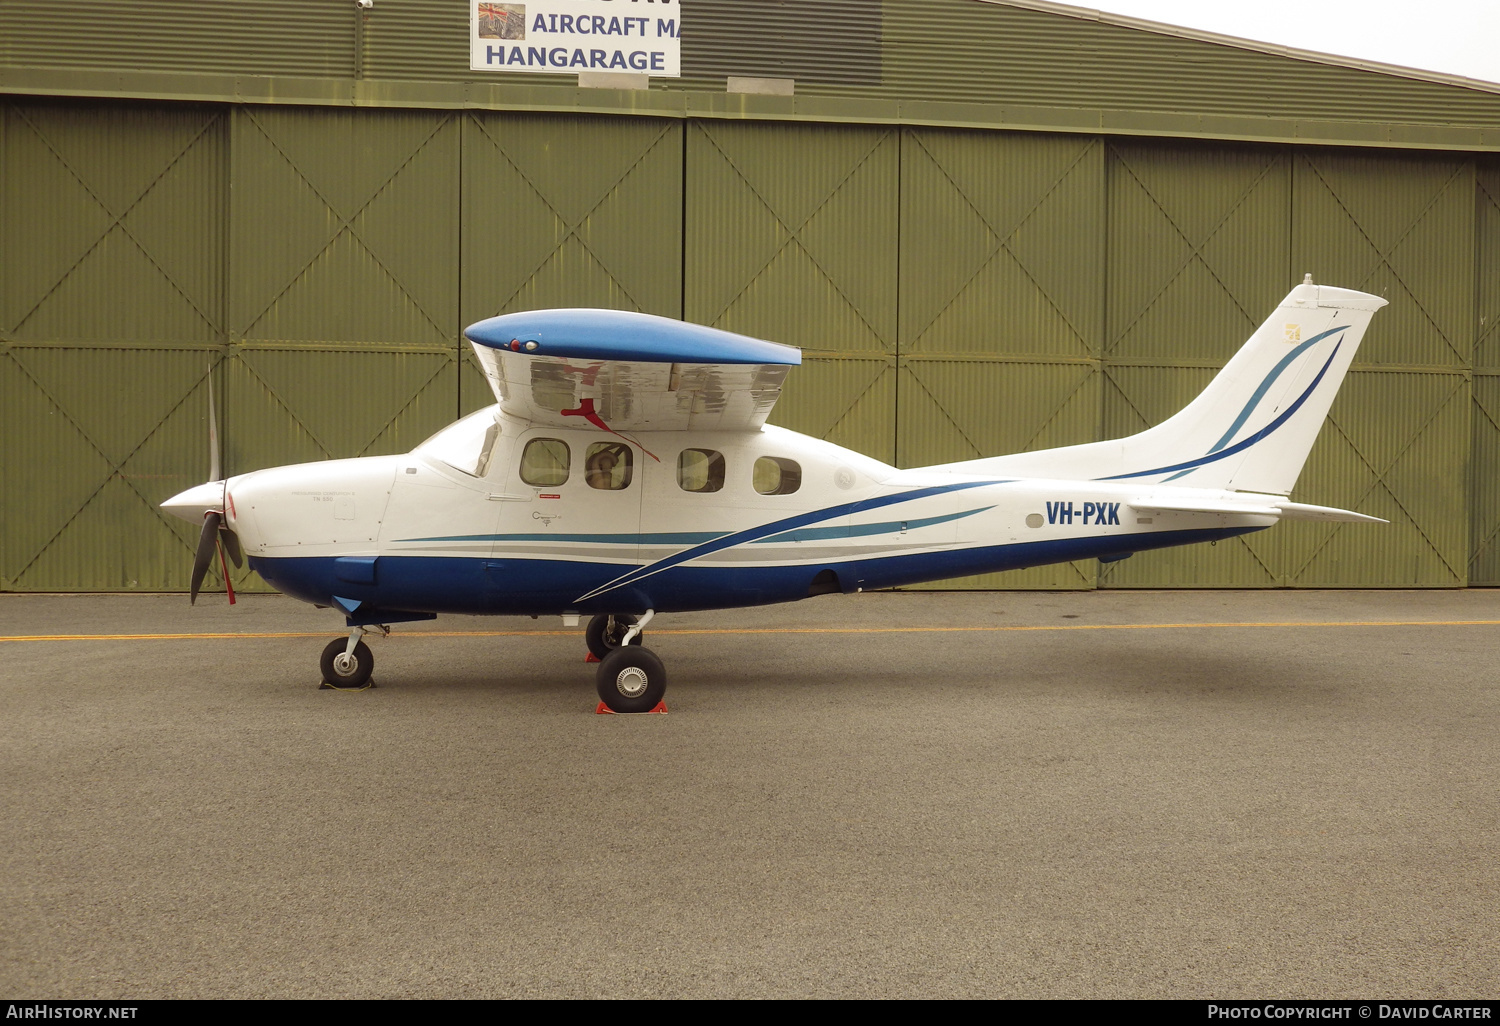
x,y
628,470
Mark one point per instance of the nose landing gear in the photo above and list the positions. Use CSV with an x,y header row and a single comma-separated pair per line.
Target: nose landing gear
x,y
347,664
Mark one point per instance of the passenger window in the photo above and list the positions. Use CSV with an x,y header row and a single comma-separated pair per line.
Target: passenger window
x,y
607,465
544,463
777,476
700,470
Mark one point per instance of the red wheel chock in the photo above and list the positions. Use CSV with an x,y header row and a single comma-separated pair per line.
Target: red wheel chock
x,y
603,709
591,658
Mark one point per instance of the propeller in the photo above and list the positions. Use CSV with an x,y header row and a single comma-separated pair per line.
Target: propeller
x,y
216,536
208,545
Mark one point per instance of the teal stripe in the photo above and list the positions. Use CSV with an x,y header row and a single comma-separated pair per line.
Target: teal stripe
x,y
678,538
863,530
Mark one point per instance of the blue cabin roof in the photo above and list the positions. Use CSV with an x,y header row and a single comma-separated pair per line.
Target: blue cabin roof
x,y
621,335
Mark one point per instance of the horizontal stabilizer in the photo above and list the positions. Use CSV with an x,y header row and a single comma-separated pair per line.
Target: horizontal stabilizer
x,y
1303,511
1258,506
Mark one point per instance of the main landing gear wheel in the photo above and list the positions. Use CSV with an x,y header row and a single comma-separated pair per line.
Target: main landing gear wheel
x,y
605,631
347,670
631,680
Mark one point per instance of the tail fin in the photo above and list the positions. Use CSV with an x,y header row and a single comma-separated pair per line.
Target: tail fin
x,y
1251,428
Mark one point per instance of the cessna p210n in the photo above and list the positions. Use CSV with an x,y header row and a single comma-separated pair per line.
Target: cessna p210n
x,y
628,470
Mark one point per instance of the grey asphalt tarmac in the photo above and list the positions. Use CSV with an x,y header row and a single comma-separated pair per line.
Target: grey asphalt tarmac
x,y
1100,794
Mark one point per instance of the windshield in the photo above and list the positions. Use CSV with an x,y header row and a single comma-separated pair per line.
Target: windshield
x,y
465,444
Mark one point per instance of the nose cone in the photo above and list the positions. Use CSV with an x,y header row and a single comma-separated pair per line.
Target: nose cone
x,y
194,503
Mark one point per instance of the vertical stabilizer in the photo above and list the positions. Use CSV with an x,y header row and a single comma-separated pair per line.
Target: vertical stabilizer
x,y
1252,427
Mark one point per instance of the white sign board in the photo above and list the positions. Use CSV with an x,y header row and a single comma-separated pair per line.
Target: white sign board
x,y
636,37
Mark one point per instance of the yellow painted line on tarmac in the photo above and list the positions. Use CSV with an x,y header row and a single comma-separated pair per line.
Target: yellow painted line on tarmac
x,y
245,635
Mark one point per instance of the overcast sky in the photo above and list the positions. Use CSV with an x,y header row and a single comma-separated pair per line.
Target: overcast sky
x,y
1460,37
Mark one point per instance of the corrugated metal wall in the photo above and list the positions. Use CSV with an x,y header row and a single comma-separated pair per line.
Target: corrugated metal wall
x,y
264,37
1002,253
563,210
958,293
343,283
112,236
791,234
1401,226
1199,251
1484,458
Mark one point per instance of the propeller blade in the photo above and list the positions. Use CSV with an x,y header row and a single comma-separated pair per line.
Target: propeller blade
x,y
232,544
213,430
205,553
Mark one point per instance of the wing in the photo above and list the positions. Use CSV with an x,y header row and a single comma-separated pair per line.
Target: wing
x,y
630,371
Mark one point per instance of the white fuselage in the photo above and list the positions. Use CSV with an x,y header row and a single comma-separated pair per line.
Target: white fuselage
x,y
455,526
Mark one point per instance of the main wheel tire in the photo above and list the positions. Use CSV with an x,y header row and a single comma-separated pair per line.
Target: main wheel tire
x,y
602,640
342,671
631,680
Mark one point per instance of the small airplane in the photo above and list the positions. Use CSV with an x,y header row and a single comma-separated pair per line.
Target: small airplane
x,y
627,470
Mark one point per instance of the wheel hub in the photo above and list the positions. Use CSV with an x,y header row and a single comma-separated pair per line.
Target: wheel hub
x,y
344,663
632,682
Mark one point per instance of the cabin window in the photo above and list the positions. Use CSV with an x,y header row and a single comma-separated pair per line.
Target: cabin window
x,y
777,476
544,463
607,465
700,470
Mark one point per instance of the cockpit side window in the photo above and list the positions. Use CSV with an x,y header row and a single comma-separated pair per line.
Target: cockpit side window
x,y
544,463
607,465
700,470
775,475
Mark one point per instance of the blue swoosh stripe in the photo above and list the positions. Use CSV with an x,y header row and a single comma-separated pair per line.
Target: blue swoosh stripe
x,y
778,527
1266,384
1214,457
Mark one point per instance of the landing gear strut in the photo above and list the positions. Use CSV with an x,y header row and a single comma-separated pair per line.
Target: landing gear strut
x,y
630,679
606,632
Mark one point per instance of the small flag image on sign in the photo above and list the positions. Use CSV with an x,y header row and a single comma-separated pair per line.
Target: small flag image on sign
x,y
502,21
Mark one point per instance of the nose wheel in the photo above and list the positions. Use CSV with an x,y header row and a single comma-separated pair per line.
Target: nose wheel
x,y
346,667
346,664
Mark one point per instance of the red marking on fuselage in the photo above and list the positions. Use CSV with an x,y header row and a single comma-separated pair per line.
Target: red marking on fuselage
x,y
586,411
